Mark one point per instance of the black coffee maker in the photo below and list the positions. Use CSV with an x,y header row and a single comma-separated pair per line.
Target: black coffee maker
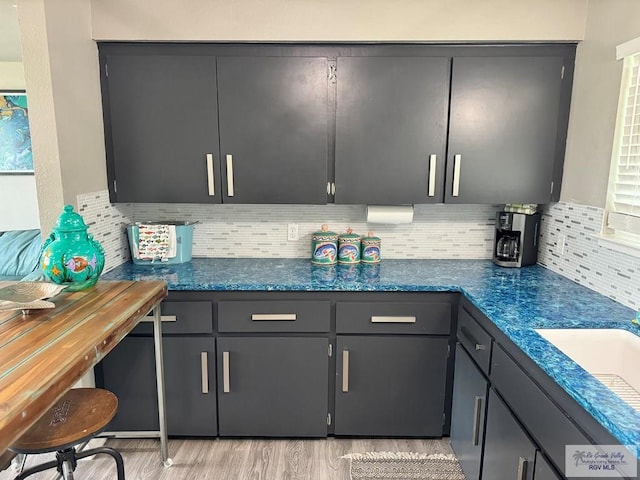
x,y
516,239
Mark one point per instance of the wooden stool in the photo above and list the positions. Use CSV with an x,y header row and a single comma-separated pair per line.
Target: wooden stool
x,y
77,417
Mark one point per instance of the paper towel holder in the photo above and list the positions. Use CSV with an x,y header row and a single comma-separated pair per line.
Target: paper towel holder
x,y
390,214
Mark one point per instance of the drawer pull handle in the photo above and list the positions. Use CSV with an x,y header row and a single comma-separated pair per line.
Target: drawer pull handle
x,y
163,318
273,316
204,371
522,468
432,175
477,410
345,371
383,319
230,189
210,178
466,333
225,372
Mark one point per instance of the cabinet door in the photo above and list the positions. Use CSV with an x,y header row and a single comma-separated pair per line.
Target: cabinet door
x,y
508,452
503,127
273,129
468,413
273,386
543,470
390,129
390,386
190,390
161,125
129,371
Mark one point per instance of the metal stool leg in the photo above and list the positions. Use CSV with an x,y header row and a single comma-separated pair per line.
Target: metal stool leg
x,y
36,469
107,451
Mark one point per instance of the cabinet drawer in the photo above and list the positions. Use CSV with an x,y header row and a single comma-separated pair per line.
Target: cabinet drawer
x,y
274,316
542,418
393,317
474,339
180,317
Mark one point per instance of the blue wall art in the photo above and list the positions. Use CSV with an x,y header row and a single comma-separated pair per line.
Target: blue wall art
x,y
15,138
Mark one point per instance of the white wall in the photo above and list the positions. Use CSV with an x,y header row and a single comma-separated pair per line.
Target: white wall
x,y
595,100
336,20
62,78
18,198
11,76
18,203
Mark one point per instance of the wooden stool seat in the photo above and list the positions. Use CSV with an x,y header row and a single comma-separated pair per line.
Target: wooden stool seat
x,y
74,419
79,415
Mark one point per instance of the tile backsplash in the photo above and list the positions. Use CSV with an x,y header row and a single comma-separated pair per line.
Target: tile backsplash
x,y
582,259
438,231
260,231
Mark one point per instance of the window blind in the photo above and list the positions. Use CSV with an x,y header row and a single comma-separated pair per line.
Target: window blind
x,y
624,199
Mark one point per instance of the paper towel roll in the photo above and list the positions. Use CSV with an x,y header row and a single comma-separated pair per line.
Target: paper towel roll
x,y
390,214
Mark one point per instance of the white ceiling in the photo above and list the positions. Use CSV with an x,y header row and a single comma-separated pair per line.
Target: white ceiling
x,y
10,50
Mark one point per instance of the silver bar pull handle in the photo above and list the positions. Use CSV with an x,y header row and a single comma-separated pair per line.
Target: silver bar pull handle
x,y
457,160
210,178
432,175
477,411
274,316
393,319
204,371
163,318
225,372
522,468
467,334
345,371
230,190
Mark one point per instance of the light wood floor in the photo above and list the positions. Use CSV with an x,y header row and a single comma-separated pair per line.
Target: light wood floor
x,y
232,459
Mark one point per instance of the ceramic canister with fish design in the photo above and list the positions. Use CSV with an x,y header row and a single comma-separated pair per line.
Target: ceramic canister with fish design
x,y
370,249
349,247
324,247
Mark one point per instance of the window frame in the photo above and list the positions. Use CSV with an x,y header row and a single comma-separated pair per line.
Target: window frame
x,y
621,231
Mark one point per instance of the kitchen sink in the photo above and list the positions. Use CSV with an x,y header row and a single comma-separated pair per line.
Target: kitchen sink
x,y
610,355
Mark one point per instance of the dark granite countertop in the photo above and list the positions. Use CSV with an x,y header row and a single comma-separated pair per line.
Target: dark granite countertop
x,y
516,300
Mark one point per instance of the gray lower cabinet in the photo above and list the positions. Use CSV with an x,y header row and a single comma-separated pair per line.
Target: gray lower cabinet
x,y
390,385
468,413
273,386
273,129
161,124
543,469
189,369
509,453
391,123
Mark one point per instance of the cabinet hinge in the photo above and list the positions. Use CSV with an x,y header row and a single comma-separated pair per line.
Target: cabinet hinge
x,y
330,350
115,186
562,73
328,419
332,73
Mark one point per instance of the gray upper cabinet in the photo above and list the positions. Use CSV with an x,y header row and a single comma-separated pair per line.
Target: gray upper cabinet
x,y
391,120
504,123
161,125
273,129
350,124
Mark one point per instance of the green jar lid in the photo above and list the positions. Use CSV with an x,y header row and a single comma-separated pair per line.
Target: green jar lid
x,y
325,233
370,237
349,235
70,221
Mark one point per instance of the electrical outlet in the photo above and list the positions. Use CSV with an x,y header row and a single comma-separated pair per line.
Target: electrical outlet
x,y
292,232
